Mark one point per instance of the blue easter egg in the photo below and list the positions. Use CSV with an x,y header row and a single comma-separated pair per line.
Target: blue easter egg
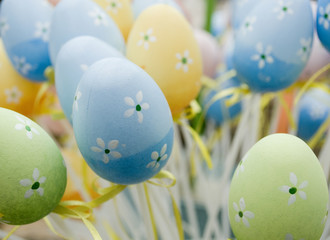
x,y
323,22
122,122
24,27
140,5
73,18
313,111
240,10
273,45
72,61
218,111
218,23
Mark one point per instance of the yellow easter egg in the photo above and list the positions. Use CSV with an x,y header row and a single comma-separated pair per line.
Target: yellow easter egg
x,y
16,92
121,12
162,43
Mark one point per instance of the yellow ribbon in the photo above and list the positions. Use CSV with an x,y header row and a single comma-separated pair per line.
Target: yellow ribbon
x,y
51,227
110,231
152,218
319,134
163,175
11,232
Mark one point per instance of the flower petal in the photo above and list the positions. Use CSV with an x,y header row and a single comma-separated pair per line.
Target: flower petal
x,y
185,68
140,42
186,54
151,164
249,214
140,117
149,32
245,221
129,101
96,149
20,119
163,151
259,47
268,50
35,131
28,193
302,195
178,56
152,39
139,97
285,189
303,185
178,65
157,166
269,59
237,218
261,64
293,179
29,134
19,126
129,112
115,154
42,180
25,182
113,144
242,204
105,158
235,207
35,174
100,142
146,45
164,157
255,57
145,106
292,199
40,191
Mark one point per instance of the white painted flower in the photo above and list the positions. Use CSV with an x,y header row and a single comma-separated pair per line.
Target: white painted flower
x,y
84,67
240,167
146,38
290,237
4,27
324,16
263,56
184,61
283,9
241,214
157,157
42,31
305,49
113,6
248,24
76,100
33,184
13,95
27,126
112,145
138,106
21,65
293,189
99,17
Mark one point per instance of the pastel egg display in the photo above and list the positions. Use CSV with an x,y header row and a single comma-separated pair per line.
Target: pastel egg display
x,y
72,61
140,5
313,111
16,92
217,110
122,122
273,45
278,191
32,174
25,34
323,22
163,44
74,18
121,12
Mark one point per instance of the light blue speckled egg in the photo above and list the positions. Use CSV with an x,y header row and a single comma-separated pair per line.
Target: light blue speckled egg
x,y
24,27
122,122
74,18
140,5
323,22
72,61
313,111
273,44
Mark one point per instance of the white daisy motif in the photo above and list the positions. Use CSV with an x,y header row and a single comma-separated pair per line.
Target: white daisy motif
x,y
241,214
240,167
248,24
27,126
76,100
21,65
324,16
109,150
184,61
4,27
305,49
42,31
146,38
113,6
99,17
33,184
293,189
13,95
283,9
138,106
263,55
157,157
290,237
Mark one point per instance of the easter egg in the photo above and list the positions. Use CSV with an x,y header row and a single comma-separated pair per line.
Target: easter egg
x,y
313,111
17,93
121,12
273,45
25,33
122,122
323,22
140,5
163,44
73,18
278,191
72,61
32,174
216,109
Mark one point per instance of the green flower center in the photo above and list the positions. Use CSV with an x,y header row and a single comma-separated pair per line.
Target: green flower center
x,y
285,9
44,30
326,16
75,98
293,190
240,214
28,128
247,24
304,49
107,151
184,60
146,37
35,186
263,56
20,65
99,17
13,94
138,108
113,4
158,159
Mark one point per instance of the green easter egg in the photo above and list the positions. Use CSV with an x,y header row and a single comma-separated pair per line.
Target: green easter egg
x,y
32,172
278,192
